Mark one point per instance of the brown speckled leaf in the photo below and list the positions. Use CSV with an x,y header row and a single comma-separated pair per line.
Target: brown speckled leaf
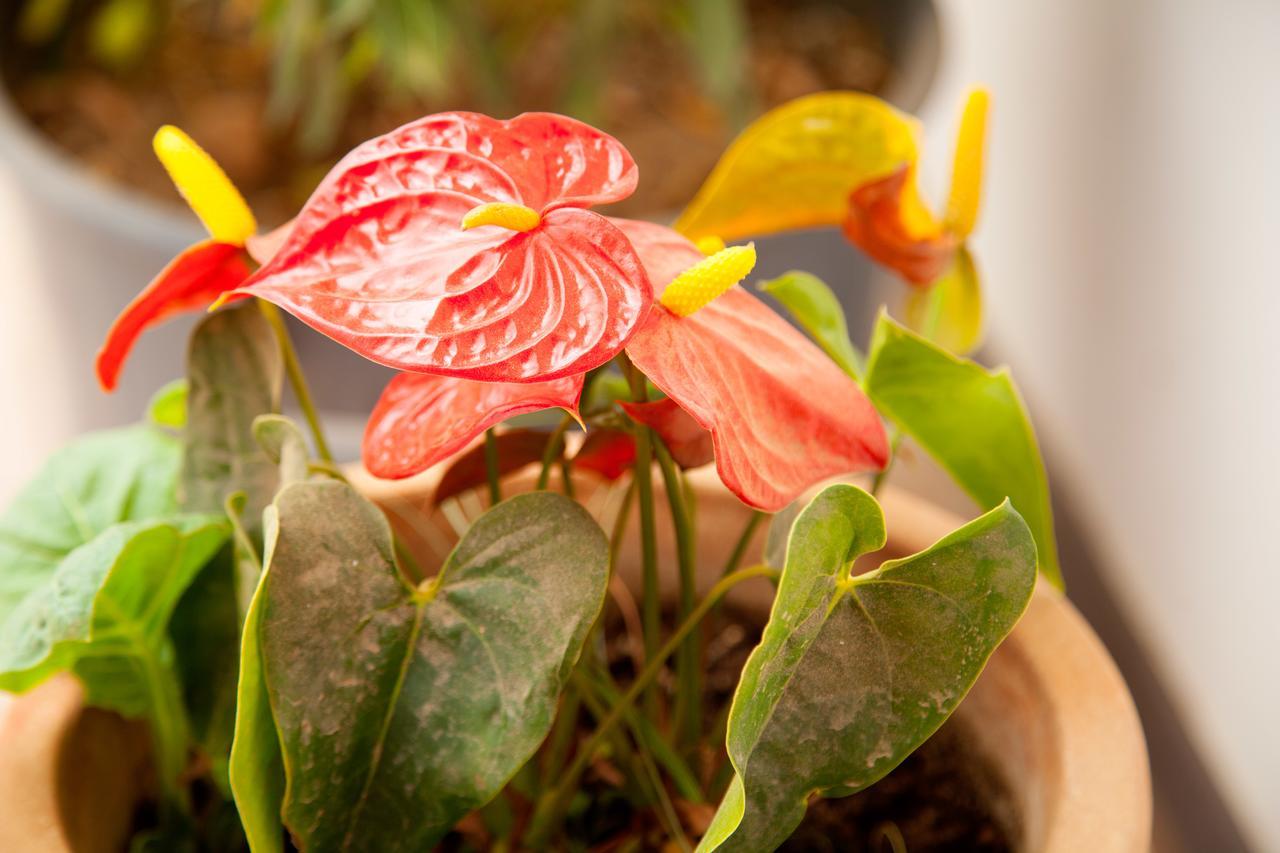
x,y
853,673
401,709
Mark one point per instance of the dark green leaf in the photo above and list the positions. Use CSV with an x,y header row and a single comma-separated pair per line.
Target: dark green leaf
x,y
108,477
971,420
104,614
235,373
818,311
402,708
856,671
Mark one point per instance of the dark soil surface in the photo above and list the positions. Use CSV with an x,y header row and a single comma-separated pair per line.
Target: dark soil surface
x,y
208,73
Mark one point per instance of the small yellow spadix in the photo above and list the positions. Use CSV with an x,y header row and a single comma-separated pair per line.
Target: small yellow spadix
x,y
207,189
516,217
709,278
966,170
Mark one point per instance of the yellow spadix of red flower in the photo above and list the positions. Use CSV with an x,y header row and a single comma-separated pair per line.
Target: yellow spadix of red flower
x,y
708,278
207,189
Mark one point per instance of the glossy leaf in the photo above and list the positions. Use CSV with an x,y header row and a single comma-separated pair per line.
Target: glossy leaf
x,y
192,281
378,260
104,613
421,420
810,301
516,449
235,373
795,166
120,475
971,420
854,672
782,416
949,311
402,708
690,444
879,224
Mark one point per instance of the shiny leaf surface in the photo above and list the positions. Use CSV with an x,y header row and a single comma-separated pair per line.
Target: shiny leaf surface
x,y
377,259
971,420
402,708
128,474
192,281
854,672
810,301
422,419
795,166
782,416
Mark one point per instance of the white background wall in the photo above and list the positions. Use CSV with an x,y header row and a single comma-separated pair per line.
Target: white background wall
x,y
1130,244
1131,249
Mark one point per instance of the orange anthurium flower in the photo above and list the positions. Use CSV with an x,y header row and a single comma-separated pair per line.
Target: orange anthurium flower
x,y
780,415
203,272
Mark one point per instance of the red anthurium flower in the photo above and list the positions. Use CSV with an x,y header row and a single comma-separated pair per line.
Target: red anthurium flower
x,y
782,416
458,246
423,419
192,281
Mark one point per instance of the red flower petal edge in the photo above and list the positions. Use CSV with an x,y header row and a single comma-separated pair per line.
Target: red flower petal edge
x,y
377,259
609,453
666,253
782,416
516,449
875,225
191,281
422,419
689,443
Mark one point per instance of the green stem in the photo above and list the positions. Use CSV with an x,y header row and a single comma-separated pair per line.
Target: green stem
x,y
297,379
491,467
688,716
555,445
744,541
895,439
650,613
552,806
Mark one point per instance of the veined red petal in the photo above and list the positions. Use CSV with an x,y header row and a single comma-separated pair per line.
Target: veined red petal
x,y
690,444
876,225
607,452
193,280
782,416
399,283
422,419
666,253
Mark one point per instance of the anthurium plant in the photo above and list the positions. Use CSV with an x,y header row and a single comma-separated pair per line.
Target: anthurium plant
x,y
312,678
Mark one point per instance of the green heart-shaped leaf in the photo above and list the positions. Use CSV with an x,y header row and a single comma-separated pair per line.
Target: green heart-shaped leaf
x,y
104,614
810,301
971,420
401,708
107,477
854,672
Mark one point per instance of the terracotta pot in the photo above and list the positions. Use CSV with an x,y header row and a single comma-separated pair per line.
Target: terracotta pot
x,y
1050,714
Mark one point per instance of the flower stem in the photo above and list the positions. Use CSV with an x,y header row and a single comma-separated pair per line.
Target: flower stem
x,y
296,377
491,467
651,615
555,445
744,540
688,716
552,806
